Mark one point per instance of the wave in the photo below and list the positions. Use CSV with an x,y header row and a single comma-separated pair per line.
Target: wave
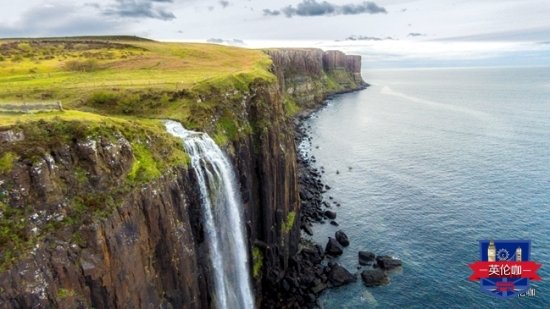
x,y
485,117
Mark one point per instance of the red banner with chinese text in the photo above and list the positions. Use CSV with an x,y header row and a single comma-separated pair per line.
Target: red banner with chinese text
x,y
504,269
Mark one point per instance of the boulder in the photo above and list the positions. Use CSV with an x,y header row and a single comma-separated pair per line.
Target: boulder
x,y
313,254
11,136
366,257
339,276
342,238
387,262
330,214
333,248
374,277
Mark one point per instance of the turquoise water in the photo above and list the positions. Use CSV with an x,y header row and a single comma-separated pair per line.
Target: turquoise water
x,y
439,159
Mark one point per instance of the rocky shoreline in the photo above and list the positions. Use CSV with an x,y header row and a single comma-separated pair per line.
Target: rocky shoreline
x,y
307,276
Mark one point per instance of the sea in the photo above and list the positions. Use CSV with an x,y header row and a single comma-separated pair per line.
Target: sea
x,y
428,162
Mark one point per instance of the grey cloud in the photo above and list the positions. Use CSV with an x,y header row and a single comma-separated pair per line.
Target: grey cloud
x,y
268,12
367,38
224,3
59,20
415,34
365,7
314,8
215,40
140,8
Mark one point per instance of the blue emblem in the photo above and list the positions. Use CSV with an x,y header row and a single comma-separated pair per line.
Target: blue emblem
x,y
506,273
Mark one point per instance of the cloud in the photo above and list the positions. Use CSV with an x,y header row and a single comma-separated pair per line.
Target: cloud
x,y
268,12
367,38
60,20
416,34
224,3
139,8
314,8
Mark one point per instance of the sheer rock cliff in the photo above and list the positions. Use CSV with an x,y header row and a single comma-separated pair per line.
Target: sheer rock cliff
x,y
146,247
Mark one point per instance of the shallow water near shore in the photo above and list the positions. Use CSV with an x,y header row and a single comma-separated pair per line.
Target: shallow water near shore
x,y
430,162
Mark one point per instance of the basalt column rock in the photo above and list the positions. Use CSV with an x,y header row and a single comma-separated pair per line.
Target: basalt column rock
x,y
147,252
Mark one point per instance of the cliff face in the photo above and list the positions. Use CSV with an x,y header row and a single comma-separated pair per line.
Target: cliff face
x,y
307,76
149,250
144,252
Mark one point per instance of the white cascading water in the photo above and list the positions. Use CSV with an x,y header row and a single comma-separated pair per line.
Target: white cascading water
x,y
222,218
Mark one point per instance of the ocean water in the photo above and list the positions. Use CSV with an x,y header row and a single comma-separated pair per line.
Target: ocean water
x,y
440,159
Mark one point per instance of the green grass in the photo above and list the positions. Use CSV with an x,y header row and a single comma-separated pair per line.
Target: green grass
x,y
128,76
288,224
6,162
72,70
290,106
64,293
144,167
257,262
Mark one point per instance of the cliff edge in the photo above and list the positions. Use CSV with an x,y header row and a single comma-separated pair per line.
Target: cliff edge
x,y
99,208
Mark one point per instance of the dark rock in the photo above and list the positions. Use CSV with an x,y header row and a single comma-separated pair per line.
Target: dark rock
x,y
366,257
306,196
339,276
286,286
334,223
374,277
333,248
330,214
342,238
319,288
306,228
312,254
387,262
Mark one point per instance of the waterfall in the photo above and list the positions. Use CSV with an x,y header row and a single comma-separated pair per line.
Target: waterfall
x,y
222,207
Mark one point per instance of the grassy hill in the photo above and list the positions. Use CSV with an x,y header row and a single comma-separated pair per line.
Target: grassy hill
x,y
70,68
122,75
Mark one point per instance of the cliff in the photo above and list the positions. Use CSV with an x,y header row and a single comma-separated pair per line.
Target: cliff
x,y
307,76
105,216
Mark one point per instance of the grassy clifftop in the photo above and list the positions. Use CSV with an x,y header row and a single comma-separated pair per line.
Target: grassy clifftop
x,y
125,75
100,79
73,69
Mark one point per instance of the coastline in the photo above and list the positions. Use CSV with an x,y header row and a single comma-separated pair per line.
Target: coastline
x,y
307,277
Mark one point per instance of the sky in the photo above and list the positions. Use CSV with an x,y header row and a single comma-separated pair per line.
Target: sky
x,y
387,33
